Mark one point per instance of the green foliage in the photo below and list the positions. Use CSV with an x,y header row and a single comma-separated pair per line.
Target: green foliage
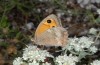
x,y
24,6
4,44
98,20
4,22
12,33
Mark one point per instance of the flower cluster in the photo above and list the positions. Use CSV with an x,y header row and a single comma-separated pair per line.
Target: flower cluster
x,y
32,56
66,60
78,48
96,62
81,46
93,31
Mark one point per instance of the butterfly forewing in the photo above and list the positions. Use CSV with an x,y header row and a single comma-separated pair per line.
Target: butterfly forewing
x,y
44,25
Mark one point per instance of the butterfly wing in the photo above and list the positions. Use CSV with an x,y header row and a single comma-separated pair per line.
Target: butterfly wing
x,y
56,36
50,32
49,22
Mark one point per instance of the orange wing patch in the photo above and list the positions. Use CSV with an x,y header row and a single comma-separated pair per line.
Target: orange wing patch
x,y
45,26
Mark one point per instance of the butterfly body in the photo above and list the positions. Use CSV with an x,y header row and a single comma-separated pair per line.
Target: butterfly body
x,y
50,32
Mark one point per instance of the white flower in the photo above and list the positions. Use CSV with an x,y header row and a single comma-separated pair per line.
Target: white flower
x,y
79,1
98,11
85,42
80,46
97,1
18,61
93,49
34,63
33,56
96,62
33,53
93,31
29,25
66,60
46,63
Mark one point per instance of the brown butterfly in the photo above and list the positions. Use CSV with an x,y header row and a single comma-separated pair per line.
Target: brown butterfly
x,y
50,32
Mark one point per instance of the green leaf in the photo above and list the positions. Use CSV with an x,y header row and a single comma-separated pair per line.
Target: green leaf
x,y
5,44
4,22
98,20
82,55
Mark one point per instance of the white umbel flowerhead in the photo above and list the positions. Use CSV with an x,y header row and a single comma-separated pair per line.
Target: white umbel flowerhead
x,y
93,49
32,56
46,63
66,60
96,62
81,46
34,63
18,61
98,11
33,53
78,44
93,31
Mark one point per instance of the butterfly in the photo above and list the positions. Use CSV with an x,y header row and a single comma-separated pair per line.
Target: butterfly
x,y
50,32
